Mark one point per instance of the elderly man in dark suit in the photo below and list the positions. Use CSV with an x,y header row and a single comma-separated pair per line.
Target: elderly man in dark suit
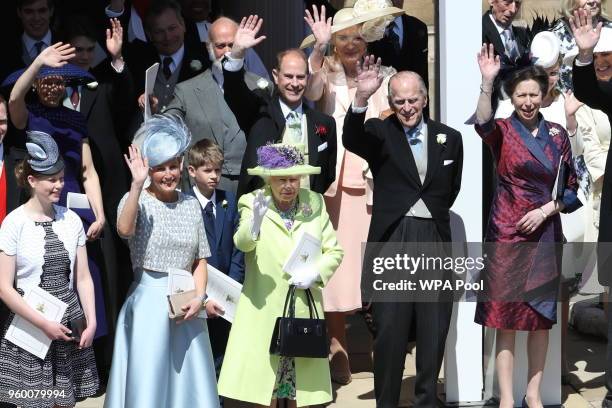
x,y
510,42
588,90
211,106
286,119
417,166
405,44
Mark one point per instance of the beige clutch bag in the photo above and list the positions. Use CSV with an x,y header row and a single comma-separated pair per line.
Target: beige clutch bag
x,y
177,301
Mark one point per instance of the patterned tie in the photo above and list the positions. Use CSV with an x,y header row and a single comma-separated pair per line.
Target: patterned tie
x,y
75,97
166,67
209,225
39,47
511,47
416,144
294,125
393,37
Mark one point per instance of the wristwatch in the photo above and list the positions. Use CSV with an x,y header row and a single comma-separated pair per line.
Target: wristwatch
x,y
204,299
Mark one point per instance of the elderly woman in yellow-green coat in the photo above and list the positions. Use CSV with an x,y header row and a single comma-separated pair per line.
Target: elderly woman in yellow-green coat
x,y
272,220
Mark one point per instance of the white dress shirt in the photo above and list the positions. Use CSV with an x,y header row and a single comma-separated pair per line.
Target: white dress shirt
x,y
204,201
29,43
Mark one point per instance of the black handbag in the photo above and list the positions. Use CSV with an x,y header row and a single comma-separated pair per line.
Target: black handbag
x,y
299,337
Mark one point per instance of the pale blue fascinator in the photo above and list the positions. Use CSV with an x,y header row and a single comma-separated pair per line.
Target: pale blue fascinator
x,y
162,138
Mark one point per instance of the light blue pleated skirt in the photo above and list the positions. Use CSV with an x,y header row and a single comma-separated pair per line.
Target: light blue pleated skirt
x,y
157,363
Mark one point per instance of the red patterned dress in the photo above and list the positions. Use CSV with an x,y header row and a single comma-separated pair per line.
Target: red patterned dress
x,y
522,270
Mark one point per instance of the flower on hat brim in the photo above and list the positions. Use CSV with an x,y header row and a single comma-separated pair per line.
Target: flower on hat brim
x,y
281,160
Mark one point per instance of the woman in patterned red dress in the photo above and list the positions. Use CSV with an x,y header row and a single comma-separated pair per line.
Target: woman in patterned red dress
x,y
522,280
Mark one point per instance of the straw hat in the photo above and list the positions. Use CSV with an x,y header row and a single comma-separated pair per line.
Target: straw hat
x,y
282,160
379,12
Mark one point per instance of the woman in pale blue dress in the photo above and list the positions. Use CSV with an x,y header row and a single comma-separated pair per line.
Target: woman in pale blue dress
x,y
158,362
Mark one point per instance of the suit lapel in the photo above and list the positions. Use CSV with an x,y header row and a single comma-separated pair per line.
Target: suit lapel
x,y
313,146
276,114
204,92
433,152
400,145
220,216
88,97
493,34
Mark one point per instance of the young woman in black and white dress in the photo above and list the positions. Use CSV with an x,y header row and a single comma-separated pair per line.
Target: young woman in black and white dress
x,y
43,244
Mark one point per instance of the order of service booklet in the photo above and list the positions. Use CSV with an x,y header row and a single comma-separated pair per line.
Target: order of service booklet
x,y
24,334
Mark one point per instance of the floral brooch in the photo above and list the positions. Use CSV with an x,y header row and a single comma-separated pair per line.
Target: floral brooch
x,y
306,209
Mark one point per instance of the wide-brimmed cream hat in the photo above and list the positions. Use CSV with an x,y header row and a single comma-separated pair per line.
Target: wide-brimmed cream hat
x,y
362,11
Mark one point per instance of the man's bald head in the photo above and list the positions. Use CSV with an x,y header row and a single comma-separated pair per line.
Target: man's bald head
x,y
221,36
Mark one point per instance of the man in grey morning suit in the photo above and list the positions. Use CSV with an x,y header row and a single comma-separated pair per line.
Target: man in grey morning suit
x,y
208,104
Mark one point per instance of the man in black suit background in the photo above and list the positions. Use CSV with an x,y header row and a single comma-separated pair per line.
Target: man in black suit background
x,y
509,42
35,17
178,61
404,46
287,119
417,166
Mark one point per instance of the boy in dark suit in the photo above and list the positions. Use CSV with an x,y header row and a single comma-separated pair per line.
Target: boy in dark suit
x,y
220,213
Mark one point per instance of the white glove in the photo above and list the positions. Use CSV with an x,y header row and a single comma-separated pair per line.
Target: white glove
x,y
260,206
304,279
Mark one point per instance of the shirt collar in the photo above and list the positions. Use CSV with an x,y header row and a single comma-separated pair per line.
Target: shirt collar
x,y
30,43
177,57
500,28
286,109
203,200
419,128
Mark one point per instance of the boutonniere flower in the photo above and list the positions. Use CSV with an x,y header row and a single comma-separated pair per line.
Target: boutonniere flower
x,y
554,132
441,138
195,65
306,209
92,85
262,83
224,204
320,131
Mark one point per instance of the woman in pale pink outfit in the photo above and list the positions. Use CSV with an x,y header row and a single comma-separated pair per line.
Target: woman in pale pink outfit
x,y
332,84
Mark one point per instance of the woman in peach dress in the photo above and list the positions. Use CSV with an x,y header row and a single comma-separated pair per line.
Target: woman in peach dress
x,y
332,84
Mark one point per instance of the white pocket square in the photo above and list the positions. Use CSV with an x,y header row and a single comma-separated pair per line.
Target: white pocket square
x,y
322,147
447,162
